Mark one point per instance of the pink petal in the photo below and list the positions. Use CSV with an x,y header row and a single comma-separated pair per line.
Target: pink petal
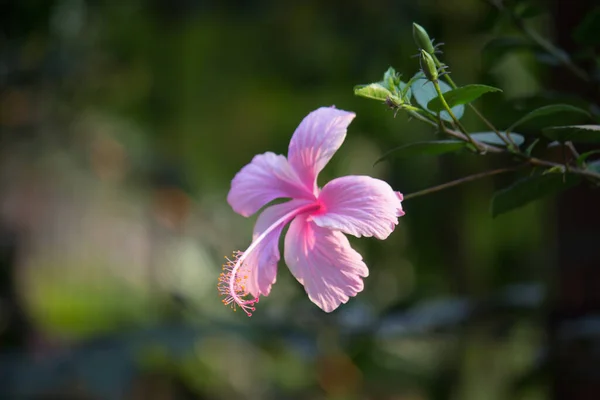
x,y
400,212
268,177
359,206
316,139
261,262
323,261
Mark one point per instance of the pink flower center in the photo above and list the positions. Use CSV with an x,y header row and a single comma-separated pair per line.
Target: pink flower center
x,y
320,210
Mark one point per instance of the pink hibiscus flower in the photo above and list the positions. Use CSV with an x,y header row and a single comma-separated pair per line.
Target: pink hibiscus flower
x,y
316,250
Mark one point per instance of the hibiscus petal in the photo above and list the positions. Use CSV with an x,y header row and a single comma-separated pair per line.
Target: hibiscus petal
x,y
316,139
359,206
268,177
323,261
261,262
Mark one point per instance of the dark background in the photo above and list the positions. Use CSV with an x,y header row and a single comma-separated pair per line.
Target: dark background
x,y
122,124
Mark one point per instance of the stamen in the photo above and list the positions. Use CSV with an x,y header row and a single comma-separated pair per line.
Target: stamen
x,y
233,281
233,284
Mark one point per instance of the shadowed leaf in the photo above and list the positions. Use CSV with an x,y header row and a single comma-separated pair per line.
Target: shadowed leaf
x,y
574,133
432,148
581,159
547,110
529,189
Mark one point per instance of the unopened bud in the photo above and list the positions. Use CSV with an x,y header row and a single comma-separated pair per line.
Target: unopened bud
x,y
422,39
428,66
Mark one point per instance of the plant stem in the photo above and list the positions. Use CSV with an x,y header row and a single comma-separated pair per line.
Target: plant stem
x,y
564,156
436,84
484,147
488,148
509,142
511,147
507,139
577,171
418,114
532,161
461,181
571,147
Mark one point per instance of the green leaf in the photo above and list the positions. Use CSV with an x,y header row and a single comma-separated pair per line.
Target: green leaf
x,y
574,133
461,95
432,148
492,138
405,88
372,91
391,86
391,80
581,159
547,110
405,92
530,148
529,189
424,91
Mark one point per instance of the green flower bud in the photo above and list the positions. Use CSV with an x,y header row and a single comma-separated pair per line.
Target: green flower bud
x,y
428,66
422,39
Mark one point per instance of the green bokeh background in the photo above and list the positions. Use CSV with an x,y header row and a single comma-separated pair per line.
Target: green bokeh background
x,y
122,126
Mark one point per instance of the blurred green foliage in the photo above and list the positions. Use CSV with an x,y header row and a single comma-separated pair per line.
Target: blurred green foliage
x,y
122,126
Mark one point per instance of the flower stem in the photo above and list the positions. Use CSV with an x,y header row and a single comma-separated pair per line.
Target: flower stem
x,y
572,148
488,148
506,139
418,114
572,170
511,145
461,181
511,148
436,84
